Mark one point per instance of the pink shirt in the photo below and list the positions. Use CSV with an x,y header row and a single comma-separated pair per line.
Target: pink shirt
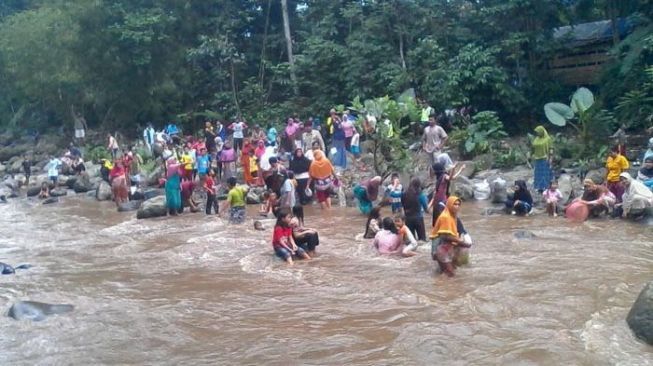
x,y
228,155
386,242
552,196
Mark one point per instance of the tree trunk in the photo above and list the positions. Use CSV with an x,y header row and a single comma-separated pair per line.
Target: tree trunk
x,y
233,86
612,14
286,31
261,73
401,50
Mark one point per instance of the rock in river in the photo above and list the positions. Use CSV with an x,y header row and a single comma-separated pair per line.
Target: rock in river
x,y
640,317
153,207
103,192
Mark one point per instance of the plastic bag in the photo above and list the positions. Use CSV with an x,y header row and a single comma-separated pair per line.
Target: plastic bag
x,y
308,192
482,190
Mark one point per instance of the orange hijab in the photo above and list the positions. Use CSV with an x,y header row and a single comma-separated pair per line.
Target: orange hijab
x,y
446,223
320,167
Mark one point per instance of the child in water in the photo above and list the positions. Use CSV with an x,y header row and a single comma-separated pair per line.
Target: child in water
x,y
373,220
552,197
45,190
236,200
270,203
410,244
394,191
282,240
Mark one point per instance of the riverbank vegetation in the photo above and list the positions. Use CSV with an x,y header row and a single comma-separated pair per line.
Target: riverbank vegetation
x,y
122,63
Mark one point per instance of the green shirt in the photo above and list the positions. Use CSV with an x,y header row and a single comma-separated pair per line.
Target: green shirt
x,y
236,196
426,112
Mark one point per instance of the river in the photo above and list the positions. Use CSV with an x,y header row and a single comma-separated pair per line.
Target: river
x,y
193,291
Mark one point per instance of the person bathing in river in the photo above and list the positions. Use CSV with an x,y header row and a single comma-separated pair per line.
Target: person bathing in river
x,y
173,186
415,204
322,173
598,198
305,238
447,242
45,190
236,199
119,185
521,202
407,238
367,192
187,188
300,165
373,223
210,189
552,198
439,199
388,241
394,190
283,242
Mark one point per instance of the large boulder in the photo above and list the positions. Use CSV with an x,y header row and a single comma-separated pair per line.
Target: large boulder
x,y
569,186
63,180
15,166
640,317
462,187
70,183
82,184
92,170
103,192
154,207
151,193
499,191
33,191
597,175
8,152
12,184
58,192
50,200
2,168
129,206
155,176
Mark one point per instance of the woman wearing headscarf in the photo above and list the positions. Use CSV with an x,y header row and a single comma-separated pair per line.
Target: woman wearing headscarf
x,y
542,150
447,242
440,192
300,165
636,198
173,187
521,202
340,157
616,164
321,172
367,192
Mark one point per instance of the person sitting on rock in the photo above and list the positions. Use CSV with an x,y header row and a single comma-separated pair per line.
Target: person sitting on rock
x,y
45,191
552,198
521,202
645,174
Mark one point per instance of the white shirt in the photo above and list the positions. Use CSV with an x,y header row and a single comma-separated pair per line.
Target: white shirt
x,y
53,167
238,129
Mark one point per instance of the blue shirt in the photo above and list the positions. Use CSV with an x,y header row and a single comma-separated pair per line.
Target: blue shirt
x,y
203,164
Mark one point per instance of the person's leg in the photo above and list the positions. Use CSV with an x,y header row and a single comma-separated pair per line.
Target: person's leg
x,y
209,203
301,253
284,254
421,230
549,208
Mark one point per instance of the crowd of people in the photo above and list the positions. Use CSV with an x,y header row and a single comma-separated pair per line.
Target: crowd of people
x,y
302,162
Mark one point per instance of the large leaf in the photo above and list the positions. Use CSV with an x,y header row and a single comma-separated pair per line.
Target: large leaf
x,y
582,100
558,113
470,145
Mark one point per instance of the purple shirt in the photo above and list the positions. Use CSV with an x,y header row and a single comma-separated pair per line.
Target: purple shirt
x,y
228,155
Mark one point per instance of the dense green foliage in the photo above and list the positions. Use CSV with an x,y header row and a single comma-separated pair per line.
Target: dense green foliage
x,y
125,62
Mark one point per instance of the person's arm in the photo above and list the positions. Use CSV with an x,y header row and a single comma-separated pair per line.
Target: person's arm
x,y
423,202
375,243
374,224
410,238
292,242
450,238
320,140
457,170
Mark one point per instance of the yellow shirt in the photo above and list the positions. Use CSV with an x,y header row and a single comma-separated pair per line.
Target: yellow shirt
x,y
616,166
187,161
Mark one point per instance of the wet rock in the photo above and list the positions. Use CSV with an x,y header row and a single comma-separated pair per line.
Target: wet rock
x,y
8,152
596,175
151,193
12,184
2,168
103,192
640,317
63,180
58,192
50,200
70,183
130,206
92,170
33,191
463,188
253,198
36,311
155,176
499,191
16,166
569,186
154,207
488,211
524,234
82,184
136,196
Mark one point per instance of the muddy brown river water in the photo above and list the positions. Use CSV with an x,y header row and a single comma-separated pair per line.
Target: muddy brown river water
x,y
194,291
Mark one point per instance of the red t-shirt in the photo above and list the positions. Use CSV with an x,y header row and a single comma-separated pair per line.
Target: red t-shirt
x,y
281,232
186,189
208,185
